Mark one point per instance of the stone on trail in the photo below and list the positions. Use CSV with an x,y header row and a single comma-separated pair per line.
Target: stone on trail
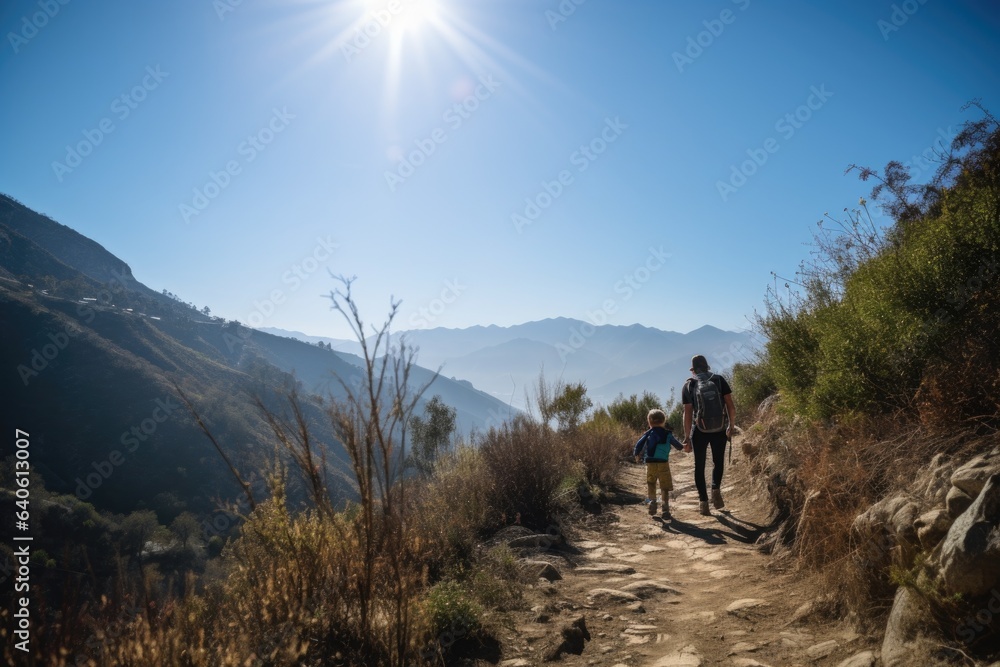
x,y
745,604
574,634
649,548
863,659
515,662
648,587
605,568
823,649
539,569
747,662
612,594
686,657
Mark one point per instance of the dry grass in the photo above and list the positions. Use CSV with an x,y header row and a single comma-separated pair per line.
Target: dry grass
x,y
820,478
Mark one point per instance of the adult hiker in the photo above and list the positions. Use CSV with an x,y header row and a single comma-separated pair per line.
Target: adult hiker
x,y
709,415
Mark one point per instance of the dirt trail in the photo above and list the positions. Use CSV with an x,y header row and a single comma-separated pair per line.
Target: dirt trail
x,y
683,593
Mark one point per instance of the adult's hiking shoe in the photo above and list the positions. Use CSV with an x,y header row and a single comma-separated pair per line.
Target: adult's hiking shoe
x,y
717,499
703,508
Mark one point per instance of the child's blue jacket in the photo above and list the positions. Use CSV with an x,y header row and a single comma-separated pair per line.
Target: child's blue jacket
x,y
653,437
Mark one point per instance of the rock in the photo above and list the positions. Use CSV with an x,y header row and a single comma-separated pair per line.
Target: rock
x,y
539,569
745,604
931,527
969,555
515,662
686,657
537,541
646,588
908,618
574,635
612,594
605,568
823,649
863,659
957,501
934,483
636,607
747,662
902,526
804,611
971,477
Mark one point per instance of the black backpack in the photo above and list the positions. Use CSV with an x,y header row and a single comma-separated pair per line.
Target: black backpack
x,y
709,407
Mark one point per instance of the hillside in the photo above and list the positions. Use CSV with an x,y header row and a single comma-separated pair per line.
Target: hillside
x,y
94,354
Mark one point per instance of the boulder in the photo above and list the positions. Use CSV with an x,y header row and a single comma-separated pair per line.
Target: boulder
x,y
933,484
957,501
931,527
971,477
540,569
909,616
969,555
573,636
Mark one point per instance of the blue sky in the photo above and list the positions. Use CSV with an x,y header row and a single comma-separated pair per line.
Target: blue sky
x,y
259,145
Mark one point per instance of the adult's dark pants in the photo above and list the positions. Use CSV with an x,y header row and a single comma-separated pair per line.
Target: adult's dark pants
x,y
700,442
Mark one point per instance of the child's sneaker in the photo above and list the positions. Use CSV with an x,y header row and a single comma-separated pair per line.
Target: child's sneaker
x,y
652,508
666,512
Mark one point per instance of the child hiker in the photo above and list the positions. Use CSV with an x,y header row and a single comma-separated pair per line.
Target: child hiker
x,y
656,443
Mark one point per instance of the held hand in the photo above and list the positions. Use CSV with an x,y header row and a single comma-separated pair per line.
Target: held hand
x,y
687,448
729,431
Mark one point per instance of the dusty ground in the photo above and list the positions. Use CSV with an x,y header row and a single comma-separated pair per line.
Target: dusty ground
x,y
686,592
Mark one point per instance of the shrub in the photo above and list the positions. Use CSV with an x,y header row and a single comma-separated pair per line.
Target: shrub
x,y
632,411
523,464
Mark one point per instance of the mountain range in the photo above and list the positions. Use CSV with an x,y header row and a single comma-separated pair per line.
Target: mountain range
x,y
610,360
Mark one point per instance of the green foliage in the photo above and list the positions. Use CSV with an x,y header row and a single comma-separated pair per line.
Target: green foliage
x,y
185,527
431,434
565,403
892,319
632,411
452,608
752,383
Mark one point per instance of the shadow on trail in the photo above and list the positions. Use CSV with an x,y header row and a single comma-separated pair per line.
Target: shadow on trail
x,y
739,531
750,532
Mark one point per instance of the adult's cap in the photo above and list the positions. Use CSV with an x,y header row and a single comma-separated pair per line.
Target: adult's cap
x,y
699,363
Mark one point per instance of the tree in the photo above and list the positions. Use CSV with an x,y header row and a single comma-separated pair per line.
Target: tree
x,y
185,526
431,434
632,411
569,405
206,310
138,528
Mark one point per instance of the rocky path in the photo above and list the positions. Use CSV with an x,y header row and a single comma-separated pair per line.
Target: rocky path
x,y
687,592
